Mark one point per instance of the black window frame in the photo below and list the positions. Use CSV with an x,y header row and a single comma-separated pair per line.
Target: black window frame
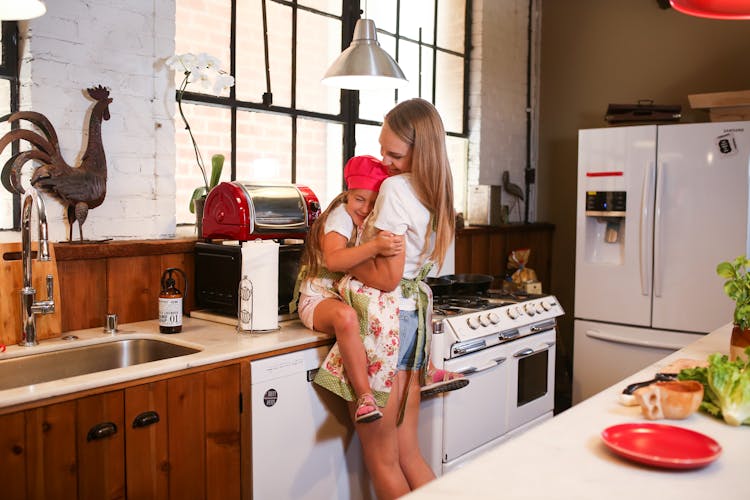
x,y
9,69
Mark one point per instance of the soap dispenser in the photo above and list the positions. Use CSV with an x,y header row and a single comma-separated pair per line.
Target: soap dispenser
x,y
171,302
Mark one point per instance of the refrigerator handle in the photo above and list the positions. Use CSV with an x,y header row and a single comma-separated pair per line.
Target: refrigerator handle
x,y
656,342
644,254
658,247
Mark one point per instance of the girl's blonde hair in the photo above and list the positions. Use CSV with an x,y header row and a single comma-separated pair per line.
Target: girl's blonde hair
x,y
418,124
312,255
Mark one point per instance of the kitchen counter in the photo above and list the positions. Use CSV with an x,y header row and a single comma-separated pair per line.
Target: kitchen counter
x,y
218,342
566,458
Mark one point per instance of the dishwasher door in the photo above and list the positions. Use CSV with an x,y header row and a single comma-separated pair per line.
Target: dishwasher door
x,y
303,442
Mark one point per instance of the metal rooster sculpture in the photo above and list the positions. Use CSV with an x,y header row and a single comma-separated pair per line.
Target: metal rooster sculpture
x,y
81,188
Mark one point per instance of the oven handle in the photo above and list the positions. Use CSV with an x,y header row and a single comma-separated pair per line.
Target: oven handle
x,y
548,325
492,364
525,353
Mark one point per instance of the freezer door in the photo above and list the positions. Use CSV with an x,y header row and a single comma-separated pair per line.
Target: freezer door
x,y
613,254
701,219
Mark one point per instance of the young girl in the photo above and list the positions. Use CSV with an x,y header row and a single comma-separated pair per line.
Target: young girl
x,y
329,252
417,202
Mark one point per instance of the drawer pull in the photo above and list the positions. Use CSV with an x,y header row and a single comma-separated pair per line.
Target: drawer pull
x,y
101,431
145,419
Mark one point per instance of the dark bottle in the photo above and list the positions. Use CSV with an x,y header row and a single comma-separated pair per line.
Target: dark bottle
x,y
170,303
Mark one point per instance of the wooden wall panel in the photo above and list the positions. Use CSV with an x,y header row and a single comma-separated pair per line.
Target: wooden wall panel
x,y
186,262
85,286
133,287
101,462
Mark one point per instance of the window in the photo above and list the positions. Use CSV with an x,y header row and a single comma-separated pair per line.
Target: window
x,y
9,204
309,129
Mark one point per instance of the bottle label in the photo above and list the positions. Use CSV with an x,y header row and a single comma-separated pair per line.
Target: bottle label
x,y
170,312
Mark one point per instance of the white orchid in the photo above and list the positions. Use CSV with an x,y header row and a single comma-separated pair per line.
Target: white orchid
x,y
206,70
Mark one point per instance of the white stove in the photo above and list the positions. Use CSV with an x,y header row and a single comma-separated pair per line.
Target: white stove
x,y
505,346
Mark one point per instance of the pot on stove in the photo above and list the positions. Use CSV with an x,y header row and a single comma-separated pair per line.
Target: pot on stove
x,y
469,284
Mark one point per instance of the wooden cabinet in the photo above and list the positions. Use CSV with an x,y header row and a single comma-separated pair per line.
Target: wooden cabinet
x,y
173,438
485,250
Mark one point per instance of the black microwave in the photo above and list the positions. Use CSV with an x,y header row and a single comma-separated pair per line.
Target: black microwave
x,y
218,271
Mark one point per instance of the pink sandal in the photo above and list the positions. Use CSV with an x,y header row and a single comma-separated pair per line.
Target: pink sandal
x,y
443,381
367,409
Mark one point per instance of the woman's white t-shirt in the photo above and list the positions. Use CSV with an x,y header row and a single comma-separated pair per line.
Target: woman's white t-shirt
x,y
398,210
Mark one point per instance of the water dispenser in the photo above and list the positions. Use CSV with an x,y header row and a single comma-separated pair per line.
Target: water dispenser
x,y
605,210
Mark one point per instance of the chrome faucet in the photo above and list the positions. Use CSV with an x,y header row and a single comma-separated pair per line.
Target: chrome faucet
x,y
29,306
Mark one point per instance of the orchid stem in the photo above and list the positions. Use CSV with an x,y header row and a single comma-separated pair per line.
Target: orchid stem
x,y
198,157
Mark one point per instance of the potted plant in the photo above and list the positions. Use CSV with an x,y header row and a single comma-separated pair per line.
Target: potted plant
x,y
737,288
205,69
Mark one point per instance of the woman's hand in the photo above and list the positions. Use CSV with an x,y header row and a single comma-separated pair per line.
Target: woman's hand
x,y
389,244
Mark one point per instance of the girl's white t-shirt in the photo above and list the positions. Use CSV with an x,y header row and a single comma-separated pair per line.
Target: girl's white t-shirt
x,y
339,221
398,210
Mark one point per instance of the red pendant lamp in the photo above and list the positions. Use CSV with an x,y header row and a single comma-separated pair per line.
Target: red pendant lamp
x,y
714,9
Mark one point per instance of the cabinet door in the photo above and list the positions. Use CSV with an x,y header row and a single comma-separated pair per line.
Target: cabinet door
x,y
187,430
13,456
223,433
101,446
51,452
146,452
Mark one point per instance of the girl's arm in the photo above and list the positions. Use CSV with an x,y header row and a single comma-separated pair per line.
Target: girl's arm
x,y
338,257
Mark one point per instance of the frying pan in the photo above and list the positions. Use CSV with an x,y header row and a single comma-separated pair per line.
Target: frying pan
x,y
440,286
469,284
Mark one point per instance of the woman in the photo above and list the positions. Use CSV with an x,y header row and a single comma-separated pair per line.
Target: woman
x,y
417,202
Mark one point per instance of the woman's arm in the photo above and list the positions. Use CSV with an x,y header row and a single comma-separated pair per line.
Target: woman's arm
x,y
338,257
383,273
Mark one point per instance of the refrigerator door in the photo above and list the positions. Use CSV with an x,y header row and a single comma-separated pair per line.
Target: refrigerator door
x,y
701,219
606,354
613,278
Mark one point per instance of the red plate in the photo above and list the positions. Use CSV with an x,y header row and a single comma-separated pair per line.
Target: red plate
x,y
661,445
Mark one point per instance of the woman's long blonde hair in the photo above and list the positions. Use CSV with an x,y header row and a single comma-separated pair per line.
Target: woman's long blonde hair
x,y
312,255
418,124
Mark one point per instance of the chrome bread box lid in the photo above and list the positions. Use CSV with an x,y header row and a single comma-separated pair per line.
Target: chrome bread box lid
x,y
244,210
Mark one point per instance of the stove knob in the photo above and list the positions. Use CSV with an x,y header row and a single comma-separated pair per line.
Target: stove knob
x,y
530,309
473,322
494,318
512,312
539,308
484,320
546,305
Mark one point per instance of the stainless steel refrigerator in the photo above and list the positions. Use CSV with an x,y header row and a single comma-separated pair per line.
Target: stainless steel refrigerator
x,y
658,208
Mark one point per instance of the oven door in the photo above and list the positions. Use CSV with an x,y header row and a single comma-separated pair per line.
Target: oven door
x,y
476,414
531,370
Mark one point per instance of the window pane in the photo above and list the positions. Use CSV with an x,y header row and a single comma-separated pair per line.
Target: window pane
x,y
318,45
417,14
330,6
319,158
192,35
251,73
449,91
367,140
210,126
451,21
6,198
412,67
383,12
264,147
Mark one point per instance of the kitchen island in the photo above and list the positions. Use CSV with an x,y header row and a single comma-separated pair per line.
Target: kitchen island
x,y
566,458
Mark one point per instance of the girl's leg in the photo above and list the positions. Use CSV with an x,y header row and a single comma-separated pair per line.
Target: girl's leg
x,y
334,316
380,447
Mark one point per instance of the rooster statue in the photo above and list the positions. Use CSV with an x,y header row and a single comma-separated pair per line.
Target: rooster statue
x,y
81,188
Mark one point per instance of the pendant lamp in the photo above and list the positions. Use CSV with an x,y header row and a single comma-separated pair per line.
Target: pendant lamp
x,y
714,9
364,65
18,10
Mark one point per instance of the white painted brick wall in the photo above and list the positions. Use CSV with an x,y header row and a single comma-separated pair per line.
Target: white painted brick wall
x,y
121,45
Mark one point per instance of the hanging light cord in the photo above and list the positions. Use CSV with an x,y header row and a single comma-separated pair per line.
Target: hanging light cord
x,y
267,96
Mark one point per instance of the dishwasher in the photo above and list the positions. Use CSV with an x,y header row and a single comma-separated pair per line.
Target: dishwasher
x,y
303,442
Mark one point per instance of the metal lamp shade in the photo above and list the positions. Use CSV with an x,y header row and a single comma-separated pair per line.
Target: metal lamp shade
x,y
18,10
714,9
364,65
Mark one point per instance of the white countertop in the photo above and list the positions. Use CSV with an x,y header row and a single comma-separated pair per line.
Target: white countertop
x,y
566,458
218,342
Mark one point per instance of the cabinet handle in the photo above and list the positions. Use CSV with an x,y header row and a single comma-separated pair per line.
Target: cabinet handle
x,y
145,419
101,431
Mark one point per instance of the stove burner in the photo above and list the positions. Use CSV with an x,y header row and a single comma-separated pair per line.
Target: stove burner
x,y
465,302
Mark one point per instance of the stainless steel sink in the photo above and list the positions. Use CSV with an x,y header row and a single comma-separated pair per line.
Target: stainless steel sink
x,y
70,362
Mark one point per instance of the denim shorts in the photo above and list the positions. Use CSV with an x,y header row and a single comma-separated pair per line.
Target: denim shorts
x,y
408,324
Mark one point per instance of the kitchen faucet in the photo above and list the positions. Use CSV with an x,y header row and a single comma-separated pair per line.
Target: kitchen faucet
x,y
29,307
